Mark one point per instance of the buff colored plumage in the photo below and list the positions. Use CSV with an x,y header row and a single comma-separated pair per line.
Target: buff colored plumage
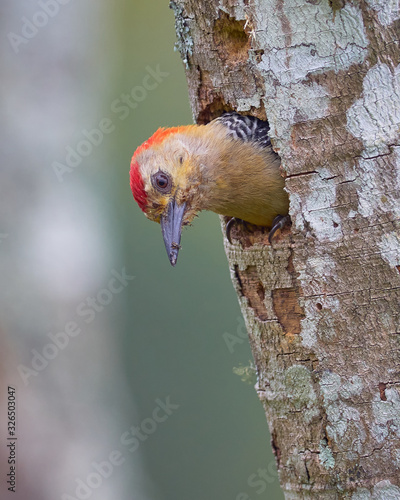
x,y
227,166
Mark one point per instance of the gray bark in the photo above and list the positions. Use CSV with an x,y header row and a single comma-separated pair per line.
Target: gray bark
x,y
321,304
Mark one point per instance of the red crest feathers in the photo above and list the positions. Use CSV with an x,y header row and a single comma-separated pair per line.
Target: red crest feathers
x,y
137,183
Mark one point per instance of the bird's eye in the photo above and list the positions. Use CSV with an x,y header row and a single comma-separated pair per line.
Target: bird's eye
x,y
162,182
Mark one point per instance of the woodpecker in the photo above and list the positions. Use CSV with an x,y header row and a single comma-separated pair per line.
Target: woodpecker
x,y
227,166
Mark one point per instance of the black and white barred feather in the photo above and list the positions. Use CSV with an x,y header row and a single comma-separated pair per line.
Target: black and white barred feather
x,y
247,128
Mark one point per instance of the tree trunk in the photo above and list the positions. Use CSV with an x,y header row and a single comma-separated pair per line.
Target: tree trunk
x,y
322,303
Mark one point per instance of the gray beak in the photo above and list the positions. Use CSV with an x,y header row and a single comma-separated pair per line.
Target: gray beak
x,y
171,226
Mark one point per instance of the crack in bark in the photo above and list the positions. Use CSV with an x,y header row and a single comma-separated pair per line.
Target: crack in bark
x,y
291,176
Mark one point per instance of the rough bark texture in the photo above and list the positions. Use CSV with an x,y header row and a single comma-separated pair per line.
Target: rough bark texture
x,y
322,304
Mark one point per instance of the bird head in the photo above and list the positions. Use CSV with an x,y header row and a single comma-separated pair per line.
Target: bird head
x,y
165,181
227,166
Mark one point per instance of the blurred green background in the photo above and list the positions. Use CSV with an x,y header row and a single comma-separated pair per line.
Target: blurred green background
x,y
65,232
